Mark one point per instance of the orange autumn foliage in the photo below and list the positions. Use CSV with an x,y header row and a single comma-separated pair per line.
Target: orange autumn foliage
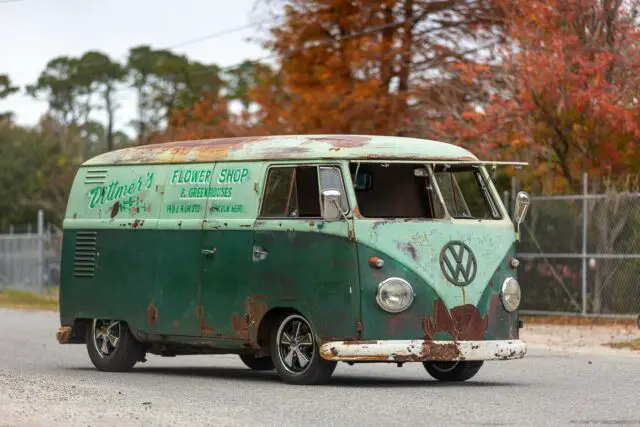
x,y
566,94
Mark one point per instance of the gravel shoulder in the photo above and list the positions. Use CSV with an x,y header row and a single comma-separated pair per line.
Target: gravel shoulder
x,y
580,338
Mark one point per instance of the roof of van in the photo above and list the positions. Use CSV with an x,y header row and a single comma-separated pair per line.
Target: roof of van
x,y
286,147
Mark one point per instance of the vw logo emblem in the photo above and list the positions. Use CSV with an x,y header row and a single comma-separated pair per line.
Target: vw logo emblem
x,y
458,263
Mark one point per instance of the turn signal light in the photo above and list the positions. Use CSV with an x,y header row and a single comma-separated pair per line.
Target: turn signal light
x,y
376,262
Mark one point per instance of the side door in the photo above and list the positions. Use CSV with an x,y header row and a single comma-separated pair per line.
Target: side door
x,y
301,260
176,309
227,249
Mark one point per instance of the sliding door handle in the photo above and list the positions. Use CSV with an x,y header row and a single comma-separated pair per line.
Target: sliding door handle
x,y
209,252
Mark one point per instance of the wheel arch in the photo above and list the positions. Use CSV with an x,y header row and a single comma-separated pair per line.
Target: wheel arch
x,y
269,320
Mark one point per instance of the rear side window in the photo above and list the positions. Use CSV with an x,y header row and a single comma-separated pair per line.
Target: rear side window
x,y
294,191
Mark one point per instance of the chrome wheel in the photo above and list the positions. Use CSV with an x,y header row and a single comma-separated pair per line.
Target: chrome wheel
x,y
106,336
296,349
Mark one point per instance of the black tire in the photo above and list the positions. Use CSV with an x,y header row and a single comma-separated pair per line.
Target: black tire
x,y
257,363
453,371
108,357
316,370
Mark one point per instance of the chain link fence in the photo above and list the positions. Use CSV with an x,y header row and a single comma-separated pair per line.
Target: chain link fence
x,y
30,257
581,254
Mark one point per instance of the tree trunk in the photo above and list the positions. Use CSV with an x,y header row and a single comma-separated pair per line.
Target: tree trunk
x,y
110,116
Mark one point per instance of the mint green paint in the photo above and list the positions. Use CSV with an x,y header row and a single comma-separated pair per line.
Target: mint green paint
x,y
191,176
417,245
115,190
233,175
291,147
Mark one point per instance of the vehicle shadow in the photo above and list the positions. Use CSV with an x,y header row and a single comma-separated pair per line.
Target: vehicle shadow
x,y
339,380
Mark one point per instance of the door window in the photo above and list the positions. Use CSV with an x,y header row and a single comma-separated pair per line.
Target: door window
x,y
294,191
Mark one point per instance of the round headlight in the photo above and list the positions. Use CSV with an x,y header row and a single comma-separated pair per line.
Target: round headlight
x,y
510,294
394,295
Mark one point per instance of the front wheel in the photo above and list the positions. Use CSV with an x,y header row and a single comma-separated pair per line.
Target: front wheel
x,y
453,371
112,347
257,363
296,354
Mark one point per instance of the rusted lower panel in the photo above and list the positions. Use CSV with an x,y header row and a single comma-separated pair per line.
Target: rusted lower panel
x,y
152,315
63,335
462,323
205,329
246,326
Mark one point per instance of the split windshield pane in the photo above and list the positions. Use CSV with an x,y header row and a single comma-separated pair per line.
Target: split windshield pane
x,y
401,190
465,193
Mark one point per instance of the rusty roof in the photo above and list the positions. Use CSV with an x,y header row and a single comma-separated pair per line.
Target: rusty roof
x,y
286,147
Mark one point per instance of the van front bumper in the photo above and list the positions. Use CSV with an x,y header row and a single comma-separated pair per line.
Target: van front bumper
x,y
421,350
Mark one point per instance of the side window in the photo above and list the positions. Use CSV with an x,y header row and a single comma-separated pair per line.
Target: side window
x,y
294,192
279,195
331,179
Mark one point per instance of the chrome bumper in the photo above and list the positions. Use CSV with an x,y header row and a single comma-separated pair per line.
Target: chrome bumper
x,y
421,351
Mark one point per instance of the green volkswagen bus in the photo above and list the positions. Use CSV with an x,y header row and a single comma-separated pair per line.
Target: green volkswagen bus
x,y
293,252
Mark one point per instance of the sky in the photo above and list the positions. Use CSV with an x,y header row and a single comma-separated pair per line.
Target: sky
x,y
32,32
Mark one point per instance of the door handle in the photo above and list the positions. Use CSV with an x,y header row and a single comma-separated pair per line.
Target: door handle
x,y
209,252
259,254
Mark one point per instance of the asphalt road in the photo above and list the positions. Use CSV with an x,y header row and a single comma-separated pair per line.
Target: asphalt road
x,y
44,383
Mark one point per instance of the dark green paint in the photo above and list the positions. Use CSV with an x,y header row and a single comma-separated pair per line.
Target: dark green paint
x,y
312,272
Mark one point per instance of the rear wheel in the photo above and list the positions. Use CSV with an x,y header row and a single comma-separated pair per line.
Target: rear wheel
x,y
454,370
257,363
112,347
296,354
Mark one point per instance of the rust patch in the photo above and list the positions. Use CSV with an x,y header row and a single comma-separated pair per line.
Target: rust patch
x,y
240,326
176,324
205,329
137,223
410,249
152,315
63,335
359,342
428,329
356,213
358,329
344,141
115,209
434,351
256,309
246,326
333,351
462,322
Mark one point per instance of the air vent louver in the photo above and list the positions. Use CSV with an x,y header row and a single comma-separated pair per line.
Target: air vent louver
x,y
95,176
84,261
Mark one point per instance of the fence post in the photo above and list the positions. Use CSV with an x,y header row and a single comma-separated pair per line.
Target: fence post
x,y
40,250
585,207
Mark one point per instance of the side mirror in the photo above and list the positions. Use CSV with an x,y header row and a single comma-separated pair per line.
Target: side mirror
x,y
522,204
331,205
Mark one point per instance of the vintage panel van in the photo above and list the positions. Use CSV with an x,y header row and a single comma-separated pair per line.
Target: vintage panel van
x,y
294,252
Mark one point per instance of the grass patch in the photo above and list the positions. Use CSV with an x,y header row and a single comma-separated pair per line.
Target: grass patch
x,y
633,344
10,298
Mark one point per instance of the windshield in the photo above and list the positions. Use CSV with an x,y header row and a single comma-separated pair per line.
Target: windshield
x,y
465,193
403,190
